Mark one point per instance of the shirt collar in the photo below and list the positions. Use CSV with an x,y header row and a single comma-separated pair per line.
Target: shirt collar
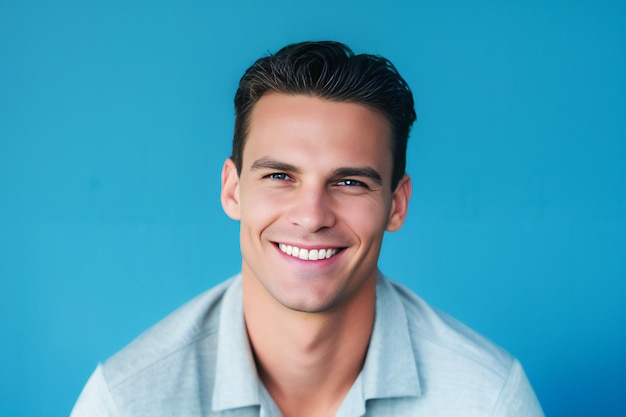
x,y
236,381
390,368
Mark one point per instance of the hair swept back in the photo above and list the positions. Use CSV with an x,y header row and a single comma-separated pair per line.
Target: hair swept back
x,y
329,70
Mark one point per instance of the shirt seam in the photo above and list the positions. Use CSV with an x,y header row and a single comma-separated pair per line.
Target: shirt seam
x,y
110,394
502,389
461,352
126,378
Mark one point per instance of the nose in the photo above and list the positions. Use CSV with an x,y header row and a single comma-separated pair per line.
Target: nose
x,y
312,210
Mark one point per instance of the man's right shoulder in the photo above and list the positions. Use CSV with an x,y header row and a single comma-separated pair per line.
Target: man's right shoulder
x,y
196,320
166,368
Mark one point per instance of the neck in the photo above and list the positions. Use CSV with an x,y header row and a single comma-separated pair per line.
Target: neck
x,y
308,361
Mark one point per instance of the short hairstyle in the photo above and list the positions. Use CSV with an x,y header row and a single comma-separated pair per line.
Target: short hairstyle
x,y
329,70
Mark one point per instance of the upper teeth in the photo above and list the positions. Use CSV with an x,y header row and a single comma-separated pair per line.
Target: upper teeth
x,y
307,254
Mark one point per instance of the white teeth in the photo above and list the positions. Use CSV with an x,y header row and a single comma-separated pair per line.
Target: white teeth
x,y
305,254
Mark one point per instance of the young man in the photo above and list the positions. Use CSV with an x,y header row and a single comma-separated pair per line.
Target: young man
x,y
311,327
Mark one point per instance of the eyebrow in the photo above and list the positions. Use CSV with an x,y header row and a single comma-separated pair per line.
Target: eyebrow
x,y
266,163
364,172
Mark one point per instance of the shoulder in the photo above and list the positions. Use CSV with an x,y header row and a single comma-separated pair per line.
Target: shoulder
x,y
446,335
162,368
462,371
192,322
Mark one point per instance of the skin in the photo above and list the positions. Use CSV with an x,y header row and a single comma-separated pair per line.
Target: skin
x,y
316,174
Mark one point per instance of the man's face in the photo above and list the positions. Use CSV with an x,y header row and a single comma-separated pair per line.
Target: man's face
x,y
314,199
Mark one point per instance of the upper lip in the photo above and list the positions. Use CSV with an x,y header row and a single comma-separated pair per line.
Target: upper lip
x,y
310,246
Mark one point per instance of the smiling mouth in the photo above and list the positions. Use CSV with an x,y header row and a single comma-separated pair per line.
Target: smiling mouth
x,y
308,254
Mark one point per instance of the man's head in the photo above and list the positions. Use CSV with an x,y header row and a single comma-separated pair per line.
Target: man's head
x,y
330,71
321,177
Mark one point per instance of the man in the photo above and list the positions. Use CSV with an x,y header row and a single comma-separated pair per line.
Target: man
x,y
311,327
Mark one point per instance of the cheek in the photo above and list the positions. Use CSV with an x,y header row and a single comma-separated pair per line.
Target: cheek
x,y
367,219
259,209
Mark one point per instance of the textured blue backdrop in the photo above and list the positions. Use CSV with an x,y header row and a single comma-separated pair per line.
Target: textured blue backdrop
x,y
115,118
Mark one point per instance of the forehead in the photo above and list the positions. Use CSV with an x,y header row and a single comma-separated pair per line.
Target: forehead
x,y
311,129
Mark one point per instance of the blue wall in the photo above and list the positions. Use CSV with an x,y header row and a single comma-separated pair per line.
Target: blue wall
x,y
115,119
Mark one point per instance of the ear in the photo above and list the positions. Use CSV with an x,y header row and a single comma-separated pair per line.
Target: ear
x,y
399,204
230,190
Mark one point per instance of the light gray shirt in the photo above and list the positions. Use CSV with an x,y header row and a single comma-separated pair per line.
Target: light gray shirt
x,y
198,362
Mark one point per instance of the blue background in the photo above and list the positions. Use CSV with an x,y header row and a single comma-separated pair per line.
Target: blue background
x,y
115,118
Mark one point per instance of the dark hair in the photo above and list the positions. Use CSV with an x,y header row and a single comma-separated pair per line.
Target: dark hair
x,y
329,70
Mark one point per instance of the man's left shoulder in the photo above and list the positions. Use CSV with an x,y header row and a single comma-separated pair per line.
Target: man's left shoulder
x,y
461,370
431,326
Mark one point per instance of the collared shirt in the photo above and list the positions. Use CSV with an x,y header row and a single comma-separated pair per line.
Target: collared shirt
x,y
198,362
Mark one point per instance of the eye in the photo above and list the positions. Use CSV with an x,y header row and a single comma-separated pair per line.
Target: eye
x,y
281,176
352,183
